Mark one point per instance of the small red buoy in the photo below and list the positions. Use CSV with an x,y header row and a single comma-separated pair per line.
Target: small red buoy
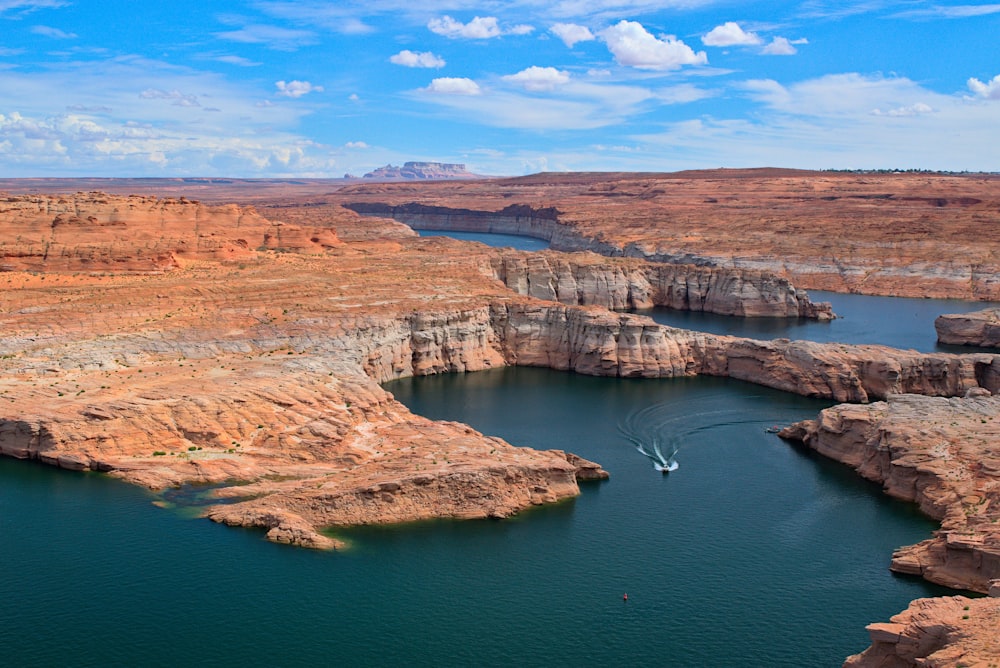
x,y
625,597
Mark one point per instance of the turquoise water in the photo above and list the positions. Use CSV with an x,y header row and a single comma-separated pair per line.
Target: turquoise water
x,y
515,241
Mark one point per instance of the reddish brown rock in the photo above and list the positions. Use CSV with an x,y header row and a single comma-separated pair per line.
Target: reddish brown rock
x,y
980,328
915,235
936,633
98,232
943,455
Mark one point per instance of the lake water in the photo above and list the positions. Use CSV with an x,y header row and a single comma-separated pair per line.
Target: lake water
x,y
516,241
752,553
892,321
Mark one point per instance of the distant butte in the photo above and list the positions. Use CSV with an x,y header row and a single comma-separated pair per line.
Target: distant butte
x,y
422,171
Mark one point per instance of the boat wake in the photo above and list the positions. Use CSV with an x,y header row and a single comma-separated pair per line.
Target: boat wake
x,y
659,430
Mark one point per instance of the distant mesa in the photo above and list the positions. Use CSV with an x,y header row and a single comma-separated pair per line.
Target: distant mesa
x,y
422,171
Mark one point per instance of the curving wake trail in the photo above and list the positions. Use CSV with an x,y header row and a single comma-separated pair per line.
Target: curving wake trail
x,y
659,430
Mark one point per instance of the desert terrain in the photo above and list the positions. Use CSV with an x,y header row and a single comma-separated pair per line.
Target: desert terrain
x,y
236,333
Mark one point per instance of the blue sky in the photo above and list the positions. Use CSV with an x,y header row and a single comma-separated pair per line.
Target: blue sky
x,y
269,88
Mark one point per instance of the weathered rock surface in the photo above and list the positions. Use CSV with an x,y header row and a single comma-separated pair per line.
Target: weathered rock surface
x,y
942,454
980,328
99,232
936,633
246,362
620,284
915,235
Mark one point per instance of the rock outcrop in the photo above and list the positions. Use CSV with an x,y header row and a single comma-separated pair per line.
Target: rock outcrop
x,y
99,232
914,235
980,328
936,633
942,454
619,284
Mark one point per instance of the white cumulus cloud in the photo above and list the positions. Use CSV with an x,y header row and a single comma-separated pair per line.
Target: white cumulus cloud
x,y
633,46
730,34
539,78
571,33
780,46
989,90
296,88
480,27
409,58
453,86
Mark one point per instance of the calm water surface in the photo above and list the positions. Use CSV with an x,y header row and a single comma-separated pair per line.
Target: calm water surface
x,y
892,321
753,553
516,241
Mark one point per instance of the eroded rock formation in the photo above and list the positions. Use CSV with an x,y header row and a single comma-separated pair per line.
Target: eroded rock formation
x,y
915,235
98,232
942,454
980,328
935,633
589,279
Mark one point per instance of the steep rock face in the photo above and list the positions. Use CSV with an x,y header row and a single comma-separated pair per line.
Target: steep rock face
x,y
588,279
942,454
99,232
935,633
980,328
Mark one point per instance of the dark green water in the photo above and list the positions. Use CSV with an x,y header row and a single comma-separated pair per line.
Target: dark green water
x,y
753,553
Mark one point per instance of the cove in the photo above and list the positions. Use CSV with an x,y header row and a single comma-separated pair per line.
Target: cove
x,y
515,241
753,553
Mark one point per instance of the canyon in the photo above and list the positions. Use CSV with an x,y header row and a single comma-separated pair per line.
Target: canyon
x,y
171,341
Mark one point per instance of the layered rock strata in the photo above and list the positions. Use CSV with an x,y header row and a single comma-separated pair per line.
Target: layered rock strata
x,y
915,235
588,279
936,633
942,454
99,232
980,328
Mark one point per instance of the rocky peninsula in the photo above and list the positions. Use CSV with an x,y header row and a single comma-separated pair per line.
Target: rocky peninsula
x,y
173,340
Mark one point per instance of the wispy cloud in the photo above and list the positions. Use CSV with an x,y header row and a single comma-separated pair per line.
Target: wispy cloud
x,y
54,33
426,59
237,60
633,46
23,7
139,116
273,37
949,12
176,98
